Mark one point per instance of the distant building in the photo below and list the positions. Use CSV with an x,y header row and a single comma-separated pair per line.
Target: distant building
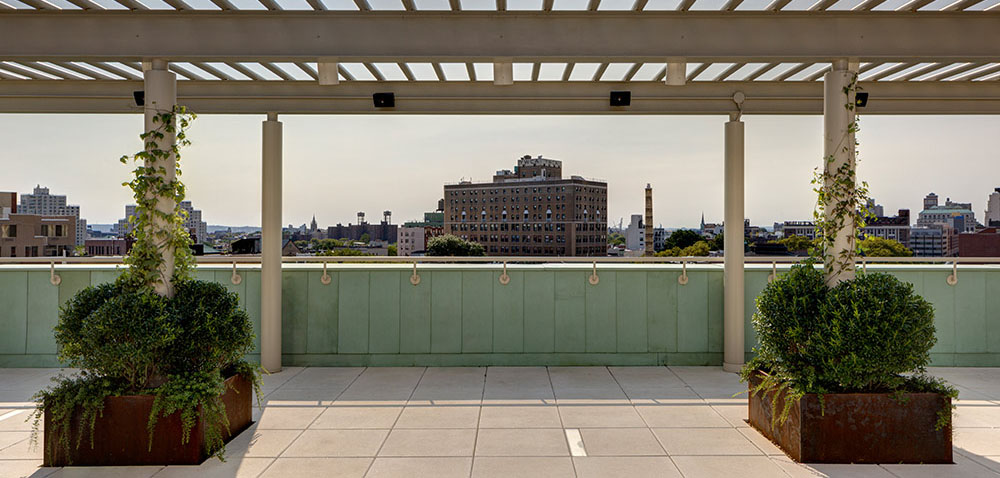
x,y
251,246
107,247
932,241
37,235
945,215
992,218
197,228
752,232
709,230
659,239
413,236
42,203
530,211
875,209
635,234
798,228
384,231
982,243
8,203
896,228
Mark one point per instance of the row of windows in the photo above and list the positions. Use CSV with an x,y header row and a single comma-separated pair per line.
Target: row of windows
x,y
507,191
560,227
55,230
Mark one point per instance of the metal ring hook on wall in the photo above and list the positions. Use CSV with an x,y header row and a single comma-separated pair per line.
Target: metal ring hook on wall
x,y
953,278
504,278
774,272
415,279
683,279
325,279
236,279
593,279
54,279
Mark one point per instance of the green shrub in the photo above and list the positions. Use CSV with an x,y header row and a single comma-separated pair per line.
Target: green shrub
x,y
126,339
863,335
213,332
118,331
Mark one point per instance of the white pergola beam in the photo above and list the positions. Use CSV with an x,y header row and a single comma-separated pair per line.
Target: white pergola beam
x,y
483,97
481,36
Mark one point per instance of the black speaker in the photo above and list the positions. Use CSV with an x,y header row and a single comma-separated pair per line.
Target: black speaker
x,y
861,99
384,100
140,97
621,98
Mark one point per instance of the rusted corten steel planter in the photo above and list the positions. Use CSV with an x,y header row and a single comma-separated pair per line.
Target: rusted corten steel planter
x,y
857,428
121,437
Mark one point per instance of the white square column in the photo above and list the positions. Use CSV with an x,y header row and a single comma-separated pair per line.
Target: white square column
x,y
270,221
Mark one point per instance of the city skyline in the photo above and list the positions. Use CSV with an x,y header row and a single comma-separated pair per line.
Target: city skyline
x,y
680,156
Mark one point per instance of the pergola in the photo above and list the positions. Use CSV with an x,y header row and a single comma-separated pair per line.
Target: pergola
x,y
726,57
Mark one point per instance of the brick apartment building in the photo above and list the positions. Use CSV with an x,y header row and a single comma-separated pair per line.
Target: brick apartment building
x,y
530,211
34,235
982,243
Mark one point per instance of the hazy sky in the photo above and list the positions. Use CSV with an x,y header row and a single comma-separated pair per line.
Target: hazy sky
x,y
335,166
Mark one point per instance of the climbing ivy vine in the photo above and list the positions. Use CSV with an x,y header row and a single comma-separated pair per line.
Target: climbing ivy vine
x,y
840,201
157,231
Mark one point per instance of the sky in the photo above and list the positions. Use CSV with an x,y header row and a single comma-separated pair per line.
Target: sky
x,y
337,165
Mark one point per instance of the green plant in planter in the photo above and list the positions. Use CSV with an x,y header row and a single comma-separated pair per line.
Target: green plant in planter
x,y
131,338
819,333
872,334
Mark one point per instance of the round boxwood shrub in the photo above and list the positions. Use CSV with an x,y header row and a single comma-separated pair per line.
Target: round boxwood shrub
x,y
126,339
870,334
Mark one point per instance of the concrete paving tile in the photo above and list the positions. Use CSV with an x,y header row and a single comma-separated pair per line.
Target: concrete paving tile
x,y
523,467
443,416
735,415
385,467
380,384
727,467
625,467
107,472
439,442
620,442
681,416
9,438
261,443
213,468
21,449
963,468
336,443
848,471
284,397
358,417
991,462
451,384
25,469
518,383
324,378
976,414
651,383
705,441
594,416
271,381
761,442
16,419
519,416
978,441
522,442
296,418
318,468
585,383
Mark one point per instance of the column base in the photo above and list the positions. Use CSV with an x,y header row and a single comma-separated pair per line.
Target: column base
x,y
732,367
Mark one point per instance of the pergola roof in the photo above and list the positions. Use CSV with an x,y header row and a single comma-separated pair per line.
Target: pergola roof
x,y
918,56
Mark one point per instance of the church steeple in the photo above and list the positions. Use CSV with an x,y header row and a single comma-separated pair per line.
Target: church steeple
x,y
313,226
702,229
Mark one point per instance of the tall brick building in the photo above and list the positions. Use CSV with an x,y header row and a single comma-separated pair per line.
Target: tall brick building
x,y
530,211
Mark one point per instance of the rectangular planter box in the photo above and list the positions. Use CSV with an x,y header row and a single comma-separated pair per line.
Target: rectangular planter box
x,y
121,437
857,428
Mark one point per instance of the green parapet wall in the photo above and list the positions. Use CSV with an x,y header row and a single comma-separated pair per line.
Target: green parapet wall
x,y
370,314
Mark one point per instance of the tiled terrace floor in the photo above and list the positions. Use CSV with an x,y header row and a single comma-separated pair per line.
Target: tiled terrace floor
x,y
518,422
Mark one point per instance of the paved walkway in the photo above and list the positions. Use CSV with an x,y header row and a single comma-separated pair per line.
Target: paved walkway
x,y
518,422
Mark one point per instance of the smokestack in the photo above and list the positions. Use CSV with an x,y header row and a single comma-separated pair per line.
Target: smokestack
x,y
649,220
